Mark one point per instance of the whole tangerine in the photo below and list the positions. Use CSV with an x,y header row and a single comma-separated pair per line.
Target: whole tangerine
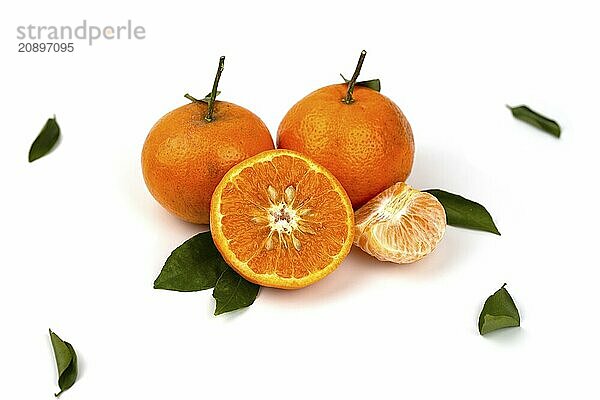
x,y
357,133
189,150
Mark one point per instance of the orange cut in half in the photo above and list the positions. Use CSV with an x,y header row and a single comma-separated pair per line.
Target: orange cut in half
x,y
400,224
281,220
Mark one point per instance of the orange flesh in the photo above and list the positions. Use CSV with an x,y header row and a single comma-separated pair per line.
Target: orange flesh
x,y
281,220
400,225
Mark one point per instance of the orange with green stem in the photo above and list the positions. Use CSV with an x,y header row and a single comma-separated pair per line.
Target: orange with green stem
x,y
189,150
357,133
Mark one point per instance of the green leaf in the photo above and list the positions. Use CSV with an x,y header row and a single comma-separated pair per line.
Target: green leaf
x,y
198,265
194,265
207,97
374,84
66,362
531,117
465,213
45,141
499,311
233,292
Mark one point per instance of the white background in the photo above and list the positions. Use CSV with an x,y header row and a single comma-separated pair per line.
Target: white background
x,y
82,239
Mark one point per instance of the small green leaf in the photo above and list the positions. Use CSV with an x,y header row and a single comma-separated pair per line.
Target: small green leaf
x,y
207,97
66,362
45,141
374,84
194,265
465,213
499,311
531,117
233,292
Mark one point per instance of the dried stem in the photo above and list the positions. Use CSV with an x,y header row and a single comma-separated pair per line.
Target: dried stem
x,y
348,99
213,94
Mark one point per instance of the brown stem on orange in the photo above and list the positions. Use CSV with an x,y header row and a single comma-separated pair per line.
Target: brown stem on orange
x,y
213,94
348,99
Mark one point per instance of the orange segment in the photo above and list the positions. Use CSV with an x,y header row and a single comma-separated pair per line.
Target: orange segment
x,y
281,220
400,225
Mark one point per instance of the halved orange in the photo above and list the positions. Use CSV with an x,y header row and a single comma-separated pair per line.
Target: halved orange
x,y
400,224
281,220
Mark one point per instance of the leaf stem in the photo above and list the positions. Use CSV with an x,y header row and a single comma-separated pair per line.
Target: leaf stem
x,y
348,99
213,94
58,394
190,97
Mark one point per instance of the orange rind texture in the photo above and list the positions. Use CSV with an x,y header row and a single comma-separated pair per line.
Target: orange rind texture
x,y
184,156
368,145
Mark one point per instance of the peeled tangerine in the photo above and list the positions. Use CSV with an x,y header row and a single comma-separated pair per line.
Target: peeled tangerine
x,y
400,224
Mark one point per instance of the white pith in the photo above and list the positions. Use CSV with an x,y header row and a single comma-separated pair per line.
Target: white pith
x,y
284,219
